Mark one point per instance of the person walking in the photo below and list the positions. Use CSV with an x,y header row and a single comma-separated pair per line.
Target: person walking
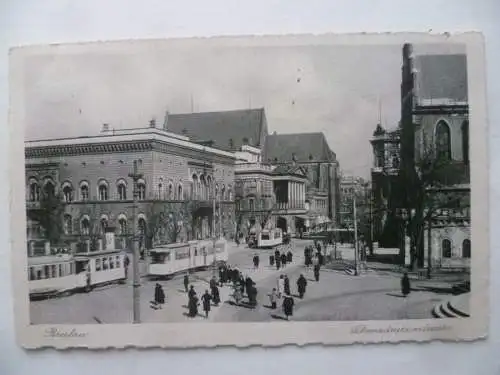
x,y
283,259
213,282
193,304
405,285
271,260
281,286
186,282
256,261
273,297
159,297
215,295
289,256
288,304
301,286
286,285
191,292
206,298
277,259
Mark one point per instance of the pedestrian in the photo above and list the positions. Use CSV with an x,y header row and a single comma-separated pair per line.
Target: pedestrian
x,y
216,295
206,298
248,284
242,283
288,304
405,284
316,272
213,282
237,293
278,262
283,259
193,305
256,261
191,292
289,256
301,286
273,296
221,275
281,286
252,296
286,285
159,296
271,260
186,282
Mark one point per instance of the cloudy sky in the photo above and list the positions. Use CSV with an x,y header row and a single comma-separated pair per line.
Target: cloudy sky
x,y
333,89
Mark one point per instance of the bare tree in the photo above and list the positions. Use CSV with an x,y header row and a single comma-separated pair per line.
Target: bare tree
x,y
94,231
428,191
50,214
166,221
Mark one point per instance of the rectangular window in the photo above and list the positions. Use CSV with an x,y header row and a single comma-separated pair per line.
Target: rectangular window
x,y
117,261
61,272
111,263
53,272
46,271
98,265
105,264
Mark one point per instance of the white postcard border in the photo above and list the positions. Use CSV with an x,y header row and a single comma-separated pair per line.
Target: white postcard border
x,y
185,335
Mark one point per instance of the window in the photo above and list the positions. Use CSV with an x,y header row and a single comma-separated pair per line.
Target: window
x,y
466,248
105,265
251,204
446,248
142,226
68,224
230,194
141,190
117,261
111,263
34,192
122,223
67,193
465,141
443,141
122,191
170,192
104,224
103,191
84,191
85,226
179,192
97,264
222,193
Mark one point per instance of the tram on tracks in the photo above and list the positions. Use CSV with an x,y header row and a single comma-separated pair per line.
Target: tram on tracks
x,y
266,238
167,260
62,272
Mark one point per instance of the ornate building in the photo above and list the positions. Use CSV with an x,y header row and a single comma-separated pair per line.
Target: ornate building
x,y
435,130
351,187
87,178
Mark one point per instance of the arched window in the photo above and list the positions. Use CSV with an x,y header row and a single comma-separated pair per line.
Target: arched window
x,y
203,187
216,191
466,248
122,190
85,226
222,193
194,187
229,194
84,191
122,225
160,188
465,141
446,248
251,204
68,224
34,194
443,141
102,191
49,189
104,224
179,192
141,190
67,192
170,191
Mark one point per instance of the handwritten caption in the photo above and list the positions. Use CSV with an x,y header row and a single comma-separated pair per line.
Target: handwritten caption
x,y
363,329
61,333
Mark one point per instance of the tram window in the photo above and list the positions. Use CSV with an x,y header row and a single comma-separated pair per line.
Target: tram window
x,y
97,265
39,274
61,273
265,236
32,274
118,263
53,270
105,264
46,272
111,263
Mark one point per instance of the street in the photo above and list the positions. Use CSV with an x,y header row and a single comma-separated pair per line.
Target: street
x,y
337,296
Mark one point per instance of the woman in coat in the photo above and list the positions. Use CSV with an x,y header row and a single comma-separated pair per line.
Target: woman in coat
x,y
288,303
216,295
405,285
159,296
301,286
273,298
286,285
193,305
289,256
206,298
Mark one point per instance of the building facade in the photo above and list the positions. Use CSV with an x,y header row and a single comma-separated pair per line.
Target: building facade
x,y
435,131
89,177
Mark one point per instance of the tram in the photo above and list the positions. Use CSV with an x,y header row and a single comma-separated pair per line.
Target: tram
x,y
63,272
267,238
170,259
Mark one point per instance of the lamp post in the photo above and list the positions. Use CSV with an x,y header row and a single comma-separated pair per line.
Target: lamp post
x,y
356,253
135,175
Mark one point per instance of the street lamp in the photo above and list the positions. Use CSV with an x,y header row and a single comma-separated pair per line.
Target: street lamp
x,y
356,254
135,175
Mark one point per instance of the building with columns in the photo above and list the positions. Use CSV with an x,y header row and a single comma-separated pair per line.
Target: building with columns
x,y
85,181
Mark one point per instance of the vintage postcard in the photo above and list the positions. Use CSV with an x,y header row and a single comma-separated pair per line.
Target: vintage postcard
x,y
247,191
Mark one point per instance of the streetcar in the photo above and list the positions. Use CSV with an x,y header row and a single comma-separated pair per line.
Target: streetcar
x,y
167,260
63,272
267,238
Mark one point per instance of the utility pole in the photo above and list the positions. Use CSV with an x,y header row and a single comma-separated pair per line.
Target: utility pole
x,y
213,228
356,254
135,175
429,248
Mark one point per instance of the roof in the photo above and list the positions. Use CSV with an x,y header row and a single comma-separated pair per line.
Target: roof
x,y
228,130
441,77
289,170
301,147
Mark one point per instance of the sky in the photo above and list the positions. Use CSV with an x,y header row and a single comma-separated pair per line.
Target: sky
x,y
339,90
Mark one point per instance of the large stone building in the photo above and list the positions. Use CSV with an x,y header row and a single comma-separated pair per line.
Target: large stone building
x,y
352,187
90,176
310,152
435,132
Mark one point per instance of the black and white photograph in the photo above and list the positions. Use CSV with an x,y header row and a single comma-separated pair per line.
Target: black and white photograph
x,y
260,183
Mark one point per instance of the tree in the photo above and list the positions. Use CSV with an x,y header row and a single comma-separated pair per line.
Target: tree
x,y
166,221
94,231
50,215
427,189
